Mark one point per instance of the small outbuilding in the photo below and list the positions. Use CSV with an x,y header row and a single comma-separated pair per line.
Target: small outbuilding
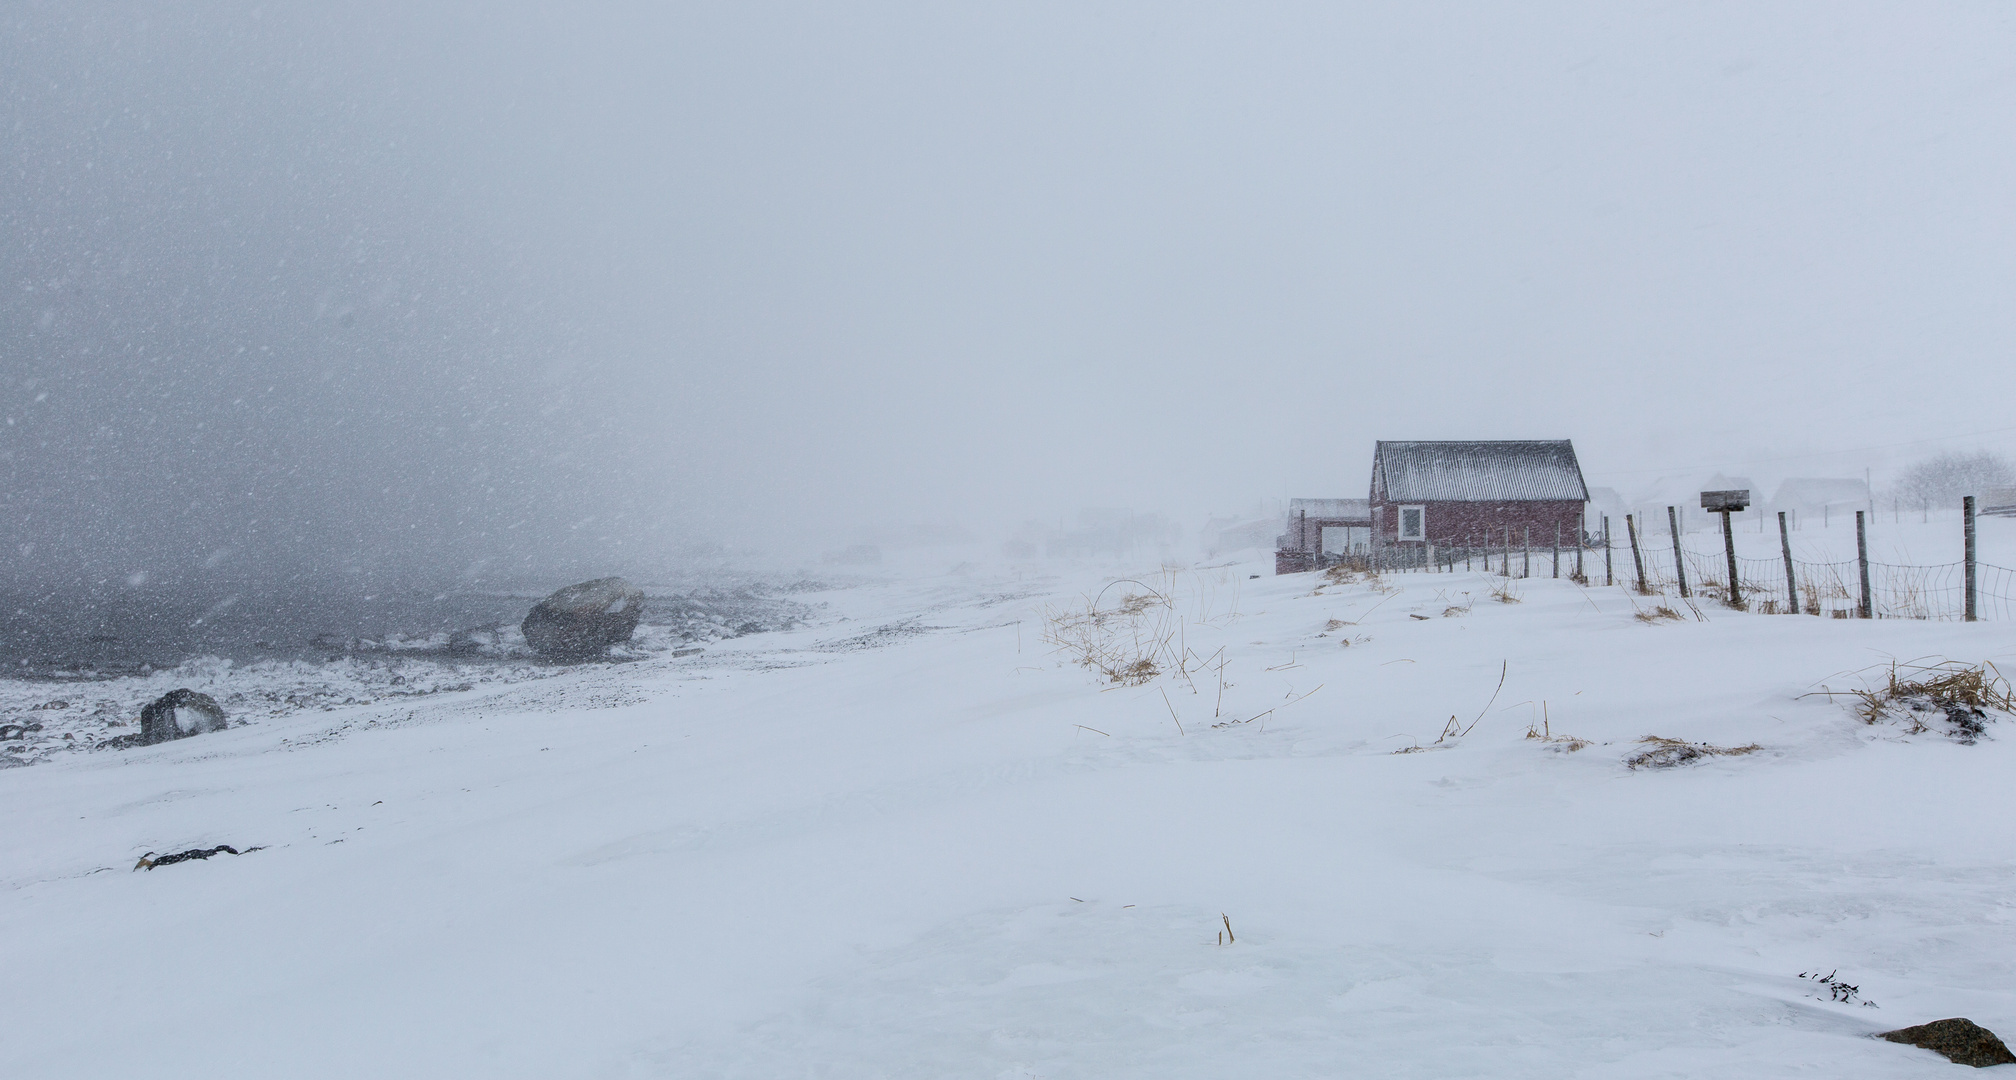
x,y
1470,495
1323,529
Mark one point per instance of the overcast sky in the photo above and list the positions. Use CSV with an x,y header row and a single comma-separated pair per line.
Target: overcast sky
x,y
440,282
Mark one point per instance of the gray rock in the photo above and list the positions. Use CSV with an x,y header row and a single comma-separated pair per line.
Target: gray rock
x,y
1963,1041
581,621
179,714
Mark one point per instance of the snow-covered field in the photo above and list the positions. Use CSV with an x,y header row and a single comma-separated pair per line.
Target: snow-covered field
x,y
909,838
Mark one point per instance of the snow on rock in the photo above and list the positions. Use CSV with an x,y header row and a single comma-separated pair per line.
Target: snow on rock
x,y
582,621
178,714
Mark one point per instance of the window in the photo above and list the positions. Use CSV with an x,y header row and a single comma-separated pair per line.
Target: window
x,y
1413,523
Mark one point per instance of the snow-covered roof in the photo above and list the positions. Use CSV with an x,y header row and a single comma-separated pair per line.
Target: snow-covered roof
x,y
1479,471
1331,509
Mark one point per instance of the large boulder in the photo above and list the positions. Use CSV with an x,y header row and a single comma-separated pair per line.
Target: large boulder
x,y
179,714
1963,1041
581,621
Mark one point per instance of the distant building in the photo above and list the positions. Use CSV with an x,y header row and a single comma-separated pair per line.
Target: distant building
x,y
1683,494
1222,535
1322,527
1605,502
1821,499
1115,533
1470,494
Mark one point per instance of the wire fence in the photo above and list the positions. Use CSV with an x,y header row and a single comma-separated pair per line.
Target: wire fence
x,y
1827,589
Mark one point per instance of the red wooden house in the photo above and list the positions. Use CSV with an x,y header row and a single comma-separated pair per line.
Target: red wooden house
x,y
1476,494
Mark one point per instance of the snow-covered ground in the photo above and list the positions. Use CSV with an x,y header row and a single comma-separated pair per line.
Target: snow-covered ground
x,y
908,838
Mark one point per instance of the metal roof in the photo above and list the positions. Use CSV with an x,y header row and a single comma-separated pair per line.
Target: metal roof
x,y
1479,471
1332,509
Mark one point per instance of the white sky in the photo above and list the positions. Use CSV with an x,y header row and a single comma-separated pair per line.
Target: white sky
x,y
870,262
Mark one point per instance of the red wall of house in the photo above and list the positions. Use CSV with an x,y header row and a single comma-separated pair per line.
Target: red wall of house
x,y
1464,524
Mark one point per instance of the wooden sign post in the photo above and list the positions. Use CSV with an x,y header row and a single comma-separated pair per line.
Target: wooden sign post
x,y
1727,503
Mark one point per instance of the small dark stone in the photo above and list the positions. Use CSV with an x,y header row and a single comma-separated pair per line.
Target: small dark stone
x,y
581,621
179,714
1963,1041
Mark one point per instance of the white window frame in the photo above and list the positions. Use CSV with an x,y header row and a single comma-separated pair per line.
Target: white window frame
x,y
1400,523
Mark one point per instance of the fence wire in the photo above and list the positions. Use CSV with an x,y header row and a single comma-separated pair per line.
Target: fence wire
x,y
1827,589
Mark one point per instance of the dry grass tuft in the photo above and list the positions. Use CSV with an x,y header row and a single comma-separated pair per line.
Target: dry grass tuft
x,y
1128,643
1918,694
1544,732
1664,753
1137,673
1566,744
1659,614
1505,592
1341,574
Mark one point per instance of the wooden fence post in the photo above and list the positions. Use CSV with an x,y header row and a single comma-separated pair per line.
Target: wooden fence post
x,y
1557,549
1729,544
1526,551
1791,584
1609,578
1864,609
1679,564
1637,559
1967,515
1374,550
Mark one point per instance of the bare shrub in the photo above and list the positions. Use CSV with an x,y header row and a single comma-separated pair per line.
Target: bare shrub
x,y
1941,480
